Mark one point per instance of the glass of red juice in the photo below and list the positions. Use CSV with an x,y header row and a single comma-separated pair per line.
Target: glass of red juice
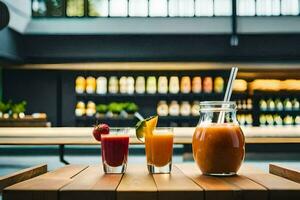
x,y
114,150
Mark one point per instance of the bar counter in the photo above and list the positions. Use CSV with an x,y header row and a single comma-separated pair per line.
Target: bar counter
x,y
83,136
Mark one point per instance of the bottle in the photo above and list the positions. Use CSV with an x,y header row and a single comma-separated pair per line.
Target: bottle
x,y
80,109
90,109
219,85
242,120
295,104
123,85
249,104
151,85
130,85
174,85
196,84
101,85
174,108
277,120
288,120
239,105
113,85
140,85
262,120
270,105
249,120
185,108
278,105
213,149
207,85
269,120
287,104
185,85
195,108
90,85
80,85
162,108
297,120
162,85
244,105
263,105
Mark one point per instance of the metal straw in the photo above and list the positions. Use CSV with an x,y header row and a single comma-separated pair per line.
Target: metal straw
x,y
139,116
228,92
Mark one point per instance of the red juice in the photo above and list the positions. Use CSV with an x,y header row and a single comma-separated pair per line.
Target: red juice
x,y
114,149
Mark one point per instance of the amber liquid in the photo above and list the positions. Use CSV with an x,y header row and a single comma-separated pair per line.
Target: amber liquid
x,y
219,148
159,149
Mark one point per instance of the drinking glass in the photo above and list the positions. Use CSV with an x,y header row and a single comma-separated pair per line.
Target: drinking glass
x,y
159,150
115,150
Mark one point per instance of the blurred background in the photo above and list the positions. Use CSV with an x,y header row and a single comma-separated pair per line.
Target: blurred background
x,y
75,63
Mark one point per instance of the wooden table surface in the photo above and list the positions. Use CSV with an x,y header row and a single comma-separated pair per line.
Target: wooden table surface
x,y
183,135
76,182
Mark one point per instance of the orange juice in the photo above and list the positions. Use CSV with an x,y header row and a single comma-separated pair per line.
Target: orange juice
x,y
219,148
159,149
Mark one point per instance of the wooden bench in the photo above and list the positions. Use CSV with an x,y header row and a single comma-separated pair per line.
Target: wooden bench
x,y
77,182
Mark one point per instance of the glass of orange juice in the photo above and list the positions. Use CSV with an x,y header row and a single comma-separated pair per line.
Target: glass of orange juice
x,y
159,150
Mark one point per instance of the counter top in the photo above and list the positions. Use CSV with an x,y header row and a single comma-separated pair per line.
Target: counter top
x,y
83,136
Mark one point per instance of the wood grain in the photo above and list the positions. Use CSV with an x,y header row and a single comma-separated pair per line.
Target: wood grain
x,y
137,184
250,169
250,189
185,182
177,186
279,188
44,187
214,188
91,184
285,172
83,136
22,175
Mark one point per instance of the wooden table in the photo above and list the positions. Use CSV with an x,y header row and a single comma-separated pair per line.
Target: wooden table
x,y
83,136
183,135
76,182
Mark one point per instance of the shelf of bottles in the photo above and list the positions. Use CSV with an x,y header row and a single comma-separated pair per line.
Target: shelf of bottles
x,y
278,110
175,99
117,99
162,8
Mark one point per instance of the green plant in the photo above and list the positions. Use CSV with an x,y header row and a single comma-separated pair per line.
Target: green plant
x,y
115,107
131,108
101,108
5,107
19,107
